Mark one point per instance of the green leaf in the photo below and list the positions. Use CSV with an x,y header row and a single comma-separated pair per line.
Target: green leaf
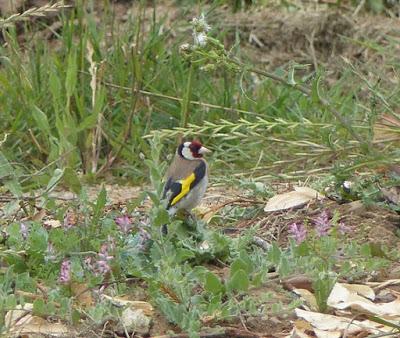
x,y
284,267
376,6
274,254
239,281
39,307
212,283
14,187
100,203
161,218
55,179
71,180
315,96
239,264
183,255
41,120
10,302
11,208
72,69
88,122
38,238
6,170
373,250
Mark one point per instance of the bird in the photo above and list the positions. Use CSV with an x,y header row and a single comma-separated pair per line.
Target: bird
x,y
186,178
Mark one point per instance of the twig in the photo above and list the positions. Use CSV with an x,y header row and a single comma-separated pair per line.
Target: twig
x,y
358,8
312,49
240,315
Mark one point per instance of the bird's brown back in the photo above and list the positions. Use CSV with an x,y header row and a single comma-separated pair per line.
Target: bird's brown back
x,y
181,168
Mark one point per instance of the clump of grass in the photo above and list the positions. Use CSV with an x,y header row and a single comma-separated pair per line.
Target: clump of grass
x,y
92,109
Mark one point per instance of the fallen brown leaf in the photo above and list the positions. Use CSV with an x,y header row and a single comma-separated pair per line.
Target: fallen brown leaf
x,y
292,200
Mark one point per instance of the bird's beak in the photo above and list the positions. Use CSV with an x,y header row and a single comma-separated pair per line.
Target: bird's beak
x,y
204,150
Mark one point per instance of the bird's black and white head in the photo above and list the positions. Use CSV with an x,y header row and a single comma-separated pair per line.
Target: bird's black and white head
x,y
192,150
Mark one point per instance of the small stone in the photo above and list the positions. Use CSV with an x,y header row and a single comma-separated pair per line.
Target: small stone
x,y
134,320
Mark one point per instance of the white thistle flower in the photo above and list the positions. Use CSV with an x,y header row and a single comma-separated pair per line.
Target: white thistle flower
x,y
200,39
200,24
200,29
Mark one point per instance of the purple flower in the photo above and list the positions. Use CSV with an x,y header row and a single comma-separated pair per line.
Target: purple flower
x,y
322,224
298,231
102,266
124,223
65,271
24,230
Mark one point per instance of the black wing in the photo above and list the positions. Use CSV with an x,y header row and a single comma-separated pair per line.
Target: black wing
x,y
173,189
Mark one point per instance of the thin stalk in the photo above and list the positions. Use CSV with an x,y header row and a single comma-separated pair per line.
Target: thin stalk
x,y
186,101
305,91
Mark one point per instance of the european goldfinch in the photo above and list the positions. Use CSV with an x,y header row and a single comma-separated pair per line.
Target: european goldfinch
x,y
186,178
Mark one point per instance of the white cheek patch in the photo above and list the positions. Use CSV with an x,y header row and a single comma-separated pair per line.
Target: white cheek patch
x,y
187,153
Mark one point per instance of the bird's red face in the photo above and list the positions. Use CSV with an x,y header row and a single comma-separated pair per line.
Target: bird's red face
x,y
192,150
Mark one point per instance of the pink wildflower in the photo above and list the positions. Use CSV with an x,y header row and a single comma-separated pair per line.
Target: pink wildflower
x,y
65,271
323,224
124,222
298,231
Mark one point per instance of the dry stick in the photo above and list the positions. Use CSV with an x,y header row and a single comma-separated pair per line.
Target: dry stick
x,y
312,49
358,8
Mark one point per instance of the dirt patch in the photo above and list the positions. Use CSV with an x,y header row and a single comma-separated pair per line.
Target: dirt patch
x,y
313,36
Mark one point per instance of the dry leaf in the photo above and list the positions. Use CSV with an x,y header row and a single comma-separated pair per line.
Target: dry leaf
x,y
147,308
39,326
360,289
82,294
327,334
326,322
39,215
308,298
21,322
334,324
21,315
382,285
387,128
52,223
293,199
343,298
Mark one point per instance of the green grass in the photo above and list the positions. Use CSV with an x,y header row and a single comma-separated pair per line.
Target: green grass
x,y
50,113
110,98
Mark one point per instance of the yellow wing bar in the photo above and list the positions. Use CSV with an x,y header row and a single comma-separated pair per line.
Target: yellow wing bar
x,y
185,183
